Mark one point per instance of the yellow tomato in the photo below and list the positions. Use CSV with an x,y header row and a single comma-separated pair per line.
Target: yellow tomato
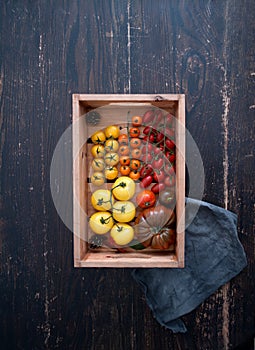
x,y
98,151
97,178
111,172
123,211
112,132
98,164
98,137
111,145
101,222
122,234
111,158
123,188
102,200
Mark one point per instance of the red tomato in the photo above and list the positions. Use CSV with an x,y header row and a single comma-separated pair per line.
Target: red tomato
x,y
148,117
159,176
157,150
152,138
147,148
146,181
169,132
170,181
158,162
157,187
172,158
147,130
169,169
158,116
145,199
146,170
160,137
169,144
147,158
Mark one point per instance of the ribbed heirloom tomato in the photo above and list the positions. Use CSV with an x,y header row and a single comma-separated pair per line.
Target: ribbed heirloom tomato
x,y
98,164
112,132
111,145
98,151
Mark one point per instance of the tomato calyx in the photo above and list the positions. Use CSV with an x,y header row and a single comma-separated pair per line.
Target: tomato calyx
x,y
106,220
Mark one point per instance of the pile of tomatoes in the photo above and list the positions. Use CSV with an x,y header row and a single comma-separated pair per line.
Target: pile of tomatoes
x,y
145,154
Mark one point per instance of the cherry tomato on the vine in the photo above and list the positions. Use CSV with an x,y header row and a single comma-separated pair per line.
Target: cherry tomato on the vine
x,y
134,132
136,120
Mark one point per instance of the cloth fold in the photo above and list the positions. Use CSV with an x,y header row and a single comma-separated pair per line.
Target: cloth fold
x,y
213,255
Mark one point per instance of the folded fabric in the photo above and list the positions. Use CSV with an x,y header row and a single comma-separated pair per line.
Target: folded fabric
x,y
213,255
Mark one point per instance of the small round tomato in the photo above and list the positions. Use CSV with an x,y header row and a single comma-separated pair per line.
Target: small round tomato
x,y
146,170
134,132
98,137
124,150
134,174
98,151
170,181
135,164
125,170
111,172
136,120
111,158
123,188
124,160
146,181
101,222
102,200
145,199
112,132
136,153
159,175
123,139
135,142
123,211
111,145
122,233
98,164
97,178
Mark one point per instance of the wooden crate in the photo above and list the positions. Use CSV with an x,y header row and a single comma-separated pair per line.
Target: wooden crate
x,y
107,257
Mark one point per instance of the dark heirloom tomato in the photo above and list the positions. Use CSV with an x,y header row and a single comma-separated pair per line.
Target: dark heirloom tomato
x,y
167,197
153,227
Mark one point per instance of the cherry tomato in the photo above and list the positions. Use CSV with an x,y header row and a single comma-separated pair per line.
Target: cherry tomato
x,y
152,138
157,162
135,142
98,137
157,151
169,132
125,170
124,160
168,168
135,164
147,130
172,158
145,199
160,137
134,174
136,120
148,116
136,153
134,132
170,181
158,116
147,148
147,158
124,150
158,187
159,176
169,144
112,132
169,119
111,145
111,172
97,178
146,181
123,139
146,170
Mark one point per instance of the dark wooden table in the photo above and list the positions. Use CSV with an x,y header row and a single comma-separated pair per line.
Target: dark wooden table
x,y
51,49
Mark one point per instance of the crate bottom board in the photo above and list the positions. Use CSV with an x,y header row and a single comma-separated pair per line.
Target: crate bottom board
x,y
144,259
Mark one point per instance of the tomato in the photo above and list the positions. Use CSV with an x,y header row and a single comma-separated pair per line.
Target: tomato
x,y
160,137
123,188
124,160
134,174
98,151
157,151
158,116
167,197
125,170
135,142
159,175
111,172
147,130
111,158
152,138
123,139
157,188
134,132
102,200
135,164
112,132
111,145
136,120
98,137
146,181
145,199
168,168
124,150
122,234
147,158
136,153
169,132
101,222
172,158
169,144
158,162
148,117
97,178
170,181
147,148
98,164
123,211
146,170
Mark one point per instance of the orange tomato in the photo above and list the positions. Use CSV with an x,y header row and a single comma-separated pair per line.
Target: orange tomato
x,y
125,170
136,153
135,164
134,174
136,120
124,150
134,132
123,139
124,160
135,142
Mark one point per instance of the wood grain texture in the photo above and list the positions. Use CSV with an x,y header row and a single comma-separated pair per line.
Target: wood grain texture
x,y
52,49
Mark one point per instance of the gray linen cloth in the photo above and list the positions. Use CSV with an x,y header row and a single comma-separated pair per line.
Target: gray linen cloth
x,y
213,255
